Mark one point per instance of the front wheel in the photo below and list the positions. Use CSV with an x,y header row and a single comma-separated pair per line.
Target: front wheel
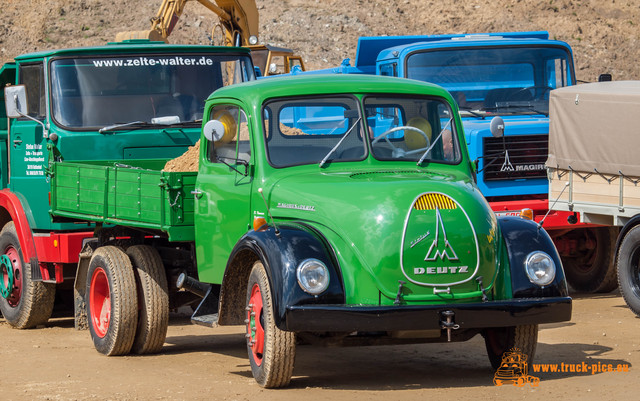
x,y
522,339
112,306
271,351
24,303
629,269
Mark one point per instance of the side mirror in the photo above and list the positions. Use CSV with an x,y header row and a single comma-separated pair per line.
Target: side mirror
x,y
213,130
15,101
497,127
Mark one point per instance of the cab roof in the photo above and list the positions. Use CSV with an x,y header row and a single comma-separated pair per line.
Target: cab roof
x,y
131,46
319,84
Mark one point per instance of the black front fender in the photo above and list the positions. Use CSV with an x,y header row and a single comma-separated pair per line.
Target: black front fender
x,y
521,238
281,254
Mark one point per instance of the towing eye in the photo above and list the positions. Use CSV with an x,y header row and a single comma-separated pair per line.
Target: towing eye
x,y
5,264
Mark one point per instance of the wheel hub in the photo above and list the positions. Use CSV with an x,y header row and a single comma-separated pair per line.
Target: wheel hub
x,y
255,324
11,277
100,302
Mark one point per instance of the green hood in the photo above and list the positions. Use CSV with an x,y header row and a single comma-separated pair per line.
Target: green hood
x,y
435,232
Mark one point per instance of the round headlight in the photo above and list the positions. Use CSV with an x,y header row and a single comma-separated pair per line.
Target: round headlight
x,y
540,268
253,40
313,276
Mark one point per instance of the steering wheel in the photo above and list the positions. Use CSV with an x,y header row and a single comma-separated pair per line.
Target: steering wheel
x,y
399,152
538,92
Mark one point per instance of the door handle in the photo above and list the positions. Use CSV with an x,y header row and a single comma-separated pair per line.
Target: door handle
x,y
198,193
17,142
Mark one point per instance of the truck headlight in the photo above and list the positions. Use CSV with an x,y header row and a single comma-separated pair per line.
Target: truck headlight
x,y
313,276
540,268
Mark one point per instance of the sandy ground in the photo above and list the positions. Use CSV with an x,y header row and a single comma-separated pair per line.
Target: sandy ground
x,y
59,363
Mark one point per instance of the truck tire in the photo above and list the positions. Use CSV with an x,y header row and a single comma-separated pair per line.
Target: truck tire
x,y
594,270
629,269
153,299
29,303
271,351
112,301
501,339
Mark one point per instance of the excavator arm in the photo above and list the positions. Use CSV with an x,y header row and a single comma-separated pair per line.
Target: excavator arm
x,y
240,21
238,17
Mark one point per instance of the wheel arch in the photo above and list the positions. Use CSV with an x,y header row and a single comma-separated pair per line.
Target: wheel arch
x,y
11,210
280,253
522,237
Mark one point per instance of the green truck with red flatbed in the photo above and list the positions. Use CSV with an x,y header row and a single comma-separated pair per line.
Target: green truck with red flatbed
x,y
331,210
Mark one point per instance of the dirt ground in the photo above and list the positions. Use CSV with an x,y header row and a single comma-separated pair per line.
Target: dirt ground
x,y
197,363
603,34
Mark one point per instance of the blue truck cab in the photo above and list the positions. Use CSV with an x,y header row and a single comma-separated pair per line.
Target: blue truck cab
x,y
509,75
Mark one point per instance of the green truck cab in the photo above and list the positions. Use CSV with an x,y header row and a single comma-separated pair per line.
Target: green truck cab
x,y
332,210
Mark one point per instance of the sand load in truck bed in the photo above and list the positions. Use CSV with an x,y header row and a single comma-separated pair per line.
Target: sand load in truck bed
x,y
594,137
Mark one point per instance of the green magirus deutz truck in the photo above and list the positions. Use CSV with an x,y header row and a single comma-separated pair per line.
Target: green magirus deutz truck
x,y
325,210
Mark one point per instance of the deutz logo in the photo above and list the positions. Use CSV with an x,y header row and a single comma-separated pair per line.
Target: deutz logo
x,y
439,244
435,252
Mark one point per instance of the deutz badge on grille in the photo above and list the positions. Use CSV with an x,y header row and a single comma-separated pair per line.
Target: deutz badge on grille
x,y
439,245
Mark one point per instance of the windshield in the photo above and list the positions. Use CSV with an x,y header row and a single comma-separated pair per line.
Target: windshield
x,y
496,79
97,92
322,131
313,130
411,128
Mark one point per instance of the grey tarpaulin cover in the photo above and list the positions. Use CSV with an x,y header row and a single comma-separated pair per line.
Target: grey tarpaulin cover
x,y
596,126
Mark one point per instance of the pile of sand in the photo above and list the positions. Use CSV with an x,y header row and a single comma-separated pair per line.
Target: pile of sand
x,y
187,162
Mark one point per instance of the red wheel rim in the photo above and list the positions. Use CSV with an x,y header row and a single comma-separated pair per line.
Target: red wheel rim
x,y
14,297
100,302
255,322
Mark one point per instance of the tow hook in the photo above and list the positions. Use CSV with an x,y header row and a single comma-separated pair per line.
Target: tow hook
x,y
449,324
399,299
484,291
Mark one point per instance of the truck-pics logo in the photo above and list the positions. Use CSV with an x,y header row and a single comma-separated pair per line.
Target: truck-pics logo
x,y
514,369
439,245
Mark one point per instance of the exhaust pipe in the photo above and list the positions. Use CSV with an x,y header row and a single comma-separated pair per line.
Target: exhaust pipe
x,y
192,285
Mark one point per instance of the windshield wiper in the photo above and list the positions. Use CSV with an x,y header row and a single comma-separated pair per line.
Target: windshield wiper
x,y
137,124
426,152
475,113
324,160
517,106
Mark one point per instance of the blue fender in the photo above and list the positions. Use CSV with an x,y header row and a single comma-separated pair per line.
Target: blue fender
x,y
521,238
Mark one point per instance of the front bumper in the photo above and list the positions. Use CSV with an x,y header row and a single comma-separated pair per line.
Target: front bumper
x,y
480,315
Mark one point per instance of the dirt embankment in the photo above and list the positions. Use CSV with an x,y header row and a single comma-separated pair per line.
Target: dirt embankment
x,y
603,34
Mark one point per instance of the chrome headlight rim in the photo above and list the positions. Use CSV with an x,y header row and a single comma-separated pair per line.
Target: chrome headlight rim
x,y
533,259
305,268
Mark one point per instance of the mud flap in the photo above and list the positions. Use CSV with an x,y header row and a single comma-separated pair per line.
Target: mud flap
x,y
81,321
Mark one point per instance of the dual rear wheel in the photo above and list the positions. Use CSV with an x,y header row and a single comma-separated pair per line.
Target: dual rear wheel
x,y
127,300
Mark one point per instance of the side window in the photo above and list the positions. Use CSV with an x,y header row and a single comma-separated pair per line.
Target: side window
x,y
32,77
388,69
235,144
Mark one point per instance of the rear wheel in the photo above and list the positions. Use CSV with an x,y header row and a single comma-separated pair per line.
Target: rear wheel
x,y
112,306
271,350
629,269
153,299
24,303
502,339
592,269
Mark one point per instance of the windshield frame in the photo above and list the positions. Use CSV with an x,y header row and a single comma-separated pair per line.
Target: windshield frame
x,y
524,109
244,58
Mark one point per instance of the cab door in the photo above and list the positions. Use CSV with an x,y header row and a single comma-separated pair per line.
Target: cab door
x,y
223,192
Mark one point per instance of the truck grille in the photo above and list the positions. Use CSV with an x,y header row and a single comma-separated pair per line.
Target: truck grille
x,y
525,157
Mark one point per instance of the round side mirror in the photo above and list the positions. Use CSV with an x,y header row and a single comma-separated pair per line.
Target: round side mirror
x,y
497,127
213,130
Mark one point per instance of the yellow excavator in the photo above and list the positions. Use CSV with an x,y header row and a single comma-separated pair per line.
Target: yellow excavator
x,y
239,19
